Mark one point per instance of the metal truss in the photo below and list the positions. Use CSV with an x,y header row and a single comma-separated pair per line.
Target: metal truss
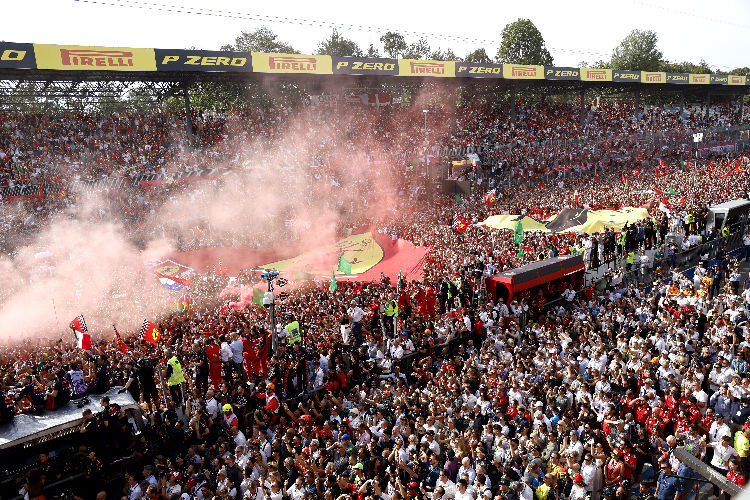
x,y
83,96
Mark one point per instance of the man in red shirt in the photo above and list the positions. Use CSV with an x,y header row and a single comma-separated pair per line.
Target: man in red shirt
x,y
213,352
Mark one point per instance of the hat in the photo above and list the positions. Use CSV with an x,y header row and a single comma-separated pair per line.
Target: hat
x,y
226,407
359,466
504,482
345,437
578,478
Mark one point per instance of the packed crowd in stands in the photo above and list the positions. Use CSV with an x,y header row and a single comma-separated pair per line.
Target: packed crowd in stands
x,y
423,389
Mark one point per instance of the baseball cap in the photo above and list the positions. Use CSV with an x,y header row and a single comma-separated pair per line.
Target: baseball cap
x,y
578,478
359,466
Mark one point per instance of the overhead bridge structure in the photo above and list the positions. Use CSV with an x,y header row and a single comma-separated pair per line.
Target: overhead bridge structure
x,y
80,67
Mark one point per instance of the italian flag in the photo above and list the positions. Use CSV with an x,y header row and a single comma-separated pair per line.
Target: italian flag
x,y
81,333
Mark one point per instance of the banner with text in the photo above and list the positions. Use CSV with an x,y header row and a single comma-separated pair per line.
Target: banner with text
x,y
291,63
364,66
94,58
523,71
203,60
416,67
479,70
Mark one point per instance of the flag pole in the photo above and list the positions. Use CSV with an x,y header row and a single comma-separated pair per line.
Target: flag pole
x,y
57,320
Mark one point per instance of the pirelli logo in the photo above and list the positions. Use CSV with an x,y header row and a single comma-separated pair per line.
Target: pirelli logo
x,y
596,74
289,63
414,67
427,68
97,58
522,71
700,79
653,77
71,57
737,80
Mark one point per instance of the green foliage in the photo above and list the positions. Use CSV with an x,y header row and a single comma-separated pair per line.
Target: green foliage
x,y
372,51
393,44
337,45
478,56
417,50
740,71
686,67
523,43
260,40
638,51
448,55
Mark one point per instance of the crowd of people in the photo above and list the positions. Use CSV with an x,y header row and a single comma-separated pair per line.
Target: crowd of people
x,y
418,389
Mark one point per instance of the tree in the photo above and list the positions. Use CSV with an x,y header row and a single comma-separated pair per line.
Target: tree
x,y
417,50
740,71
478,56
638,51
260,40
337,45
686,67
448,55
522,43
372,51
393,44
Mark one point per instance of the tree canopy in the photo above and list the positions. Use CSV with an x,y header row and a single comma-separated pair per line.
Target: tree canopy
x,y
394,44
523,43
478,56
638,51
260,40
337,45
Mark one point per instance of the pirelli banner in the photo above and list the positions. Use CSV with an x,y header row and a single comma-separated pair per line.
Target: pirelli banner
x,y
417,67
203,60
23,56
596,75
292,63
653,77
74,57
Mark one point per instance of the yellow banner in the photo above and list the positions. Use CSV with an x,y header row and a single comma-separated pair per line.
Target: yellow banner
x,y
415,67
653,77
737,80
94,58
596,75
523,72
699,79
292,63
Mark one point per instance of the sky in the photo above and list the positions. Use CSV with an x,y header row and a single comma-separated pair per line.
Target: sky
x,y
575,31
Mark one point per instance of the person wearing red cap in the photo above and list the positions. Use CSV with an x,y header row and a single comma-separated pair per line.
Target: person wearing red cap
x,y
578,491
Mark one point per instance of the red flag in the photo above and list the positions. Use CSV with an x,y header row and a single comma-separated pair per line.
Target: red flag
x,y
661,163
460,224
490,198
150,332
657,191
682,200
123,347
540,186
625,180
596,178
81,333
